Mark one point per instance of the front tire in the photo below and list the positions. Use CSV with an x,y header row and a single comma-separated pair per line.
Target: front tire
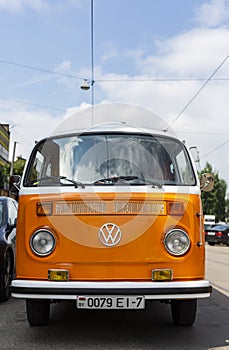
x,y
184,312
38,311
7,278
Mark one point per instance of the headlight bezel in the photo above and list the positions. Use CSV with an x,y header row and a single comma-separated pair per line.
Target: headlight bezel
x,y
50,237
179,233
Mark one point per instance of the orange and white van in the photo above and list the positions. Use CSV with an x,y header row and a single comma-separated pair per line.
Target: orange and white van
x,y
110,217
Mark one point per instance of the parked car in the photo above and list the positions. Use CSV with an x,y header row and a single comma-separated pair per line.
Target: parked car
x,y
218,234
8,220
207,228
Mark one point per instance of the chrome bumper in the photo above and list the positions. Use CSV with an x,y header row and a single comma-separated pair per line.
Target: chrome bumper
x,y
30,289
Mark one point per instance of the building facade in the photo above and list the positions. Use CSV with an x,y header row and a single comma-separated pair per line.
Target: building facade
x,y
4,158
4,144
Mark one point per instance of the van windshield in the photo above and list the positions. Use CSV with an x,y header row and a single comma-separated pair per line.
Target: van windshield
x,y
104,159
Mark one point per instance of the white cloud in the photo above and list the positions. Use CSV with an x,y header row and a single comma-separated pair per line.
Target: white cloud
x,y
110,51
65,66
194,54
213,13
27,125
26,83
21,5
69,79
38,5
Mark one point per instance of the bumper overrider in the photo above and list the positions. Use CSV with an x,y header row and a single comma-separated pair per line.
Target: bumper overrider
x,y
30,289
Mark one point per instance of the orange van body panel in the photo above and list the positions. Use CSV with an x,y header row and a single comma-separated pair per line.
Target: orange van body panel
x,y
140,250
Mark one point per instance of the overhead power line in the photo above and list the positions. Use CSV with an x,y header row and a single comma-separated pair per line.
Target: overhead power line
x,y
198,92
32,104
157,80
149,79
92,61
40,69
215,149
202,132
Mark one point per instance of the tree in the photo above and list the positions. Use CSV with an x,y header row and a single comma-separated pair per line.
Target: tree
x,y
227,208
4,174
214,202
19,165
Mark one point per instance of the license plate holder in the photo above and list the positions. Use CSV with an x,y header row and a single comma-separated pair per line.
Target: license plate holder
x,y
117,302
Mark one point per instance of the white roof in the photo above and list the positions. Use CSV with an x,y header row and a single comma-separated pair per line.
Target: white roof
x,y
114,117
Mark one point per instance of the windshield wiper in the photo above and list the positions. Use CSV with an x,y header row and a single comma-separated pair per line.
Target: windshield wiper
x,y
56,180
75,183
115,179
152,182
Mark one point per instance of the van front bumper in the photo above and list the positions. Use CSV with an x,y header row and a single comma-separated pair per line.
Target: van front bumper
x,y
30,289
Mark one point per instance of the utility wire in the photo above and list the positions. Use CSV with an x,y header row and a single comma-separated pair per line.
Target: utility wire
x,y
92,62
149,79
198,92
32,104
215,149
202,132
40,69
157,80
112,80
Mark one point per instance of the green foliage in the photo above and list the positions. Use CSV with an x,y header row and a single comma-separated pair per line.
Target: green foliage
x,y
19,166
5,170
4,174
214,202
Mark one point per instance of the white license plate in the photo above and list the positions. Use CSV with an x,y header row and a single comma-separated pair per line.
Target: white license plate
x,y
211,233
110,302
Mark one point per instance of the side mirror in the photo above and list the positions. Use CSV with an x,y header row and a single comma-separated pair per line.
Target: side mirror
x,y
15,182
207,182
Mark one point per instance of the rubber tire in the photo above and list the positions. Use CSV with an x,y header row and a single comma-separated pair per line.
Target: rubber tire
x,y
211,243
184,312
38,311
7,278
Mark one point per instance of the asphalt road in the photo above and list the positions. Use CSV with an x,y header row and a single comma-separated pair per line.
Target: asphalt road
x,y
152,328
217,267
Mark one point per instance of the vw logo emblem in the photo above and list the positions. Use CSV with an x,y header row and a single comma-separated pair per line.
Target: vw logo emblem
x,y
110,234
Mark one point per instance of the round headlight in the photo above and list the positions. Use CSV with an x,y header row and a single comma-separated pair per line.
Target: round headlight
x,y
42,242
177,242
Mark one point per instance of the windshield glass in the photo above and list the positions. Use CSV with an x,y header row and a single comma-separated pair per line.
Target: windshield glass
x,y
103,158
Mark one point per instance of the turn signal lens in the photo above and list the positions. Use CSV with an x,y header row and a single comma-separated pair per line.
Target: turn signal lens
x,y
58,275
162,275
44,208
175,208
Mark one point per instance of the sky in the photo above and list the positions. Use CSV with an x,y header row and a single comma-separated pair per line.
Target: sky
x,y
171,57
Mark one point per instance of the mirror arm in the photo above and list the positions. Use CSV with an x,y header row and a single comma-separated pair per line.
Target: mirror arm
x,y
16,186
207,182
204,185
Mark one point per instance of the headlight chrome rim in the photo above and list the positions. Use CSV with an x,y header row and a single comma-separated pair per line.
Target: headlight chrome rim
x,y
48,239
182,239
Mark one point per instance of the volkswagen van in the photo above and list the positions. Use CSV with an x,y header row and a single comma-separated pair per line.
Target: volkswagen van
x,y
110,217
